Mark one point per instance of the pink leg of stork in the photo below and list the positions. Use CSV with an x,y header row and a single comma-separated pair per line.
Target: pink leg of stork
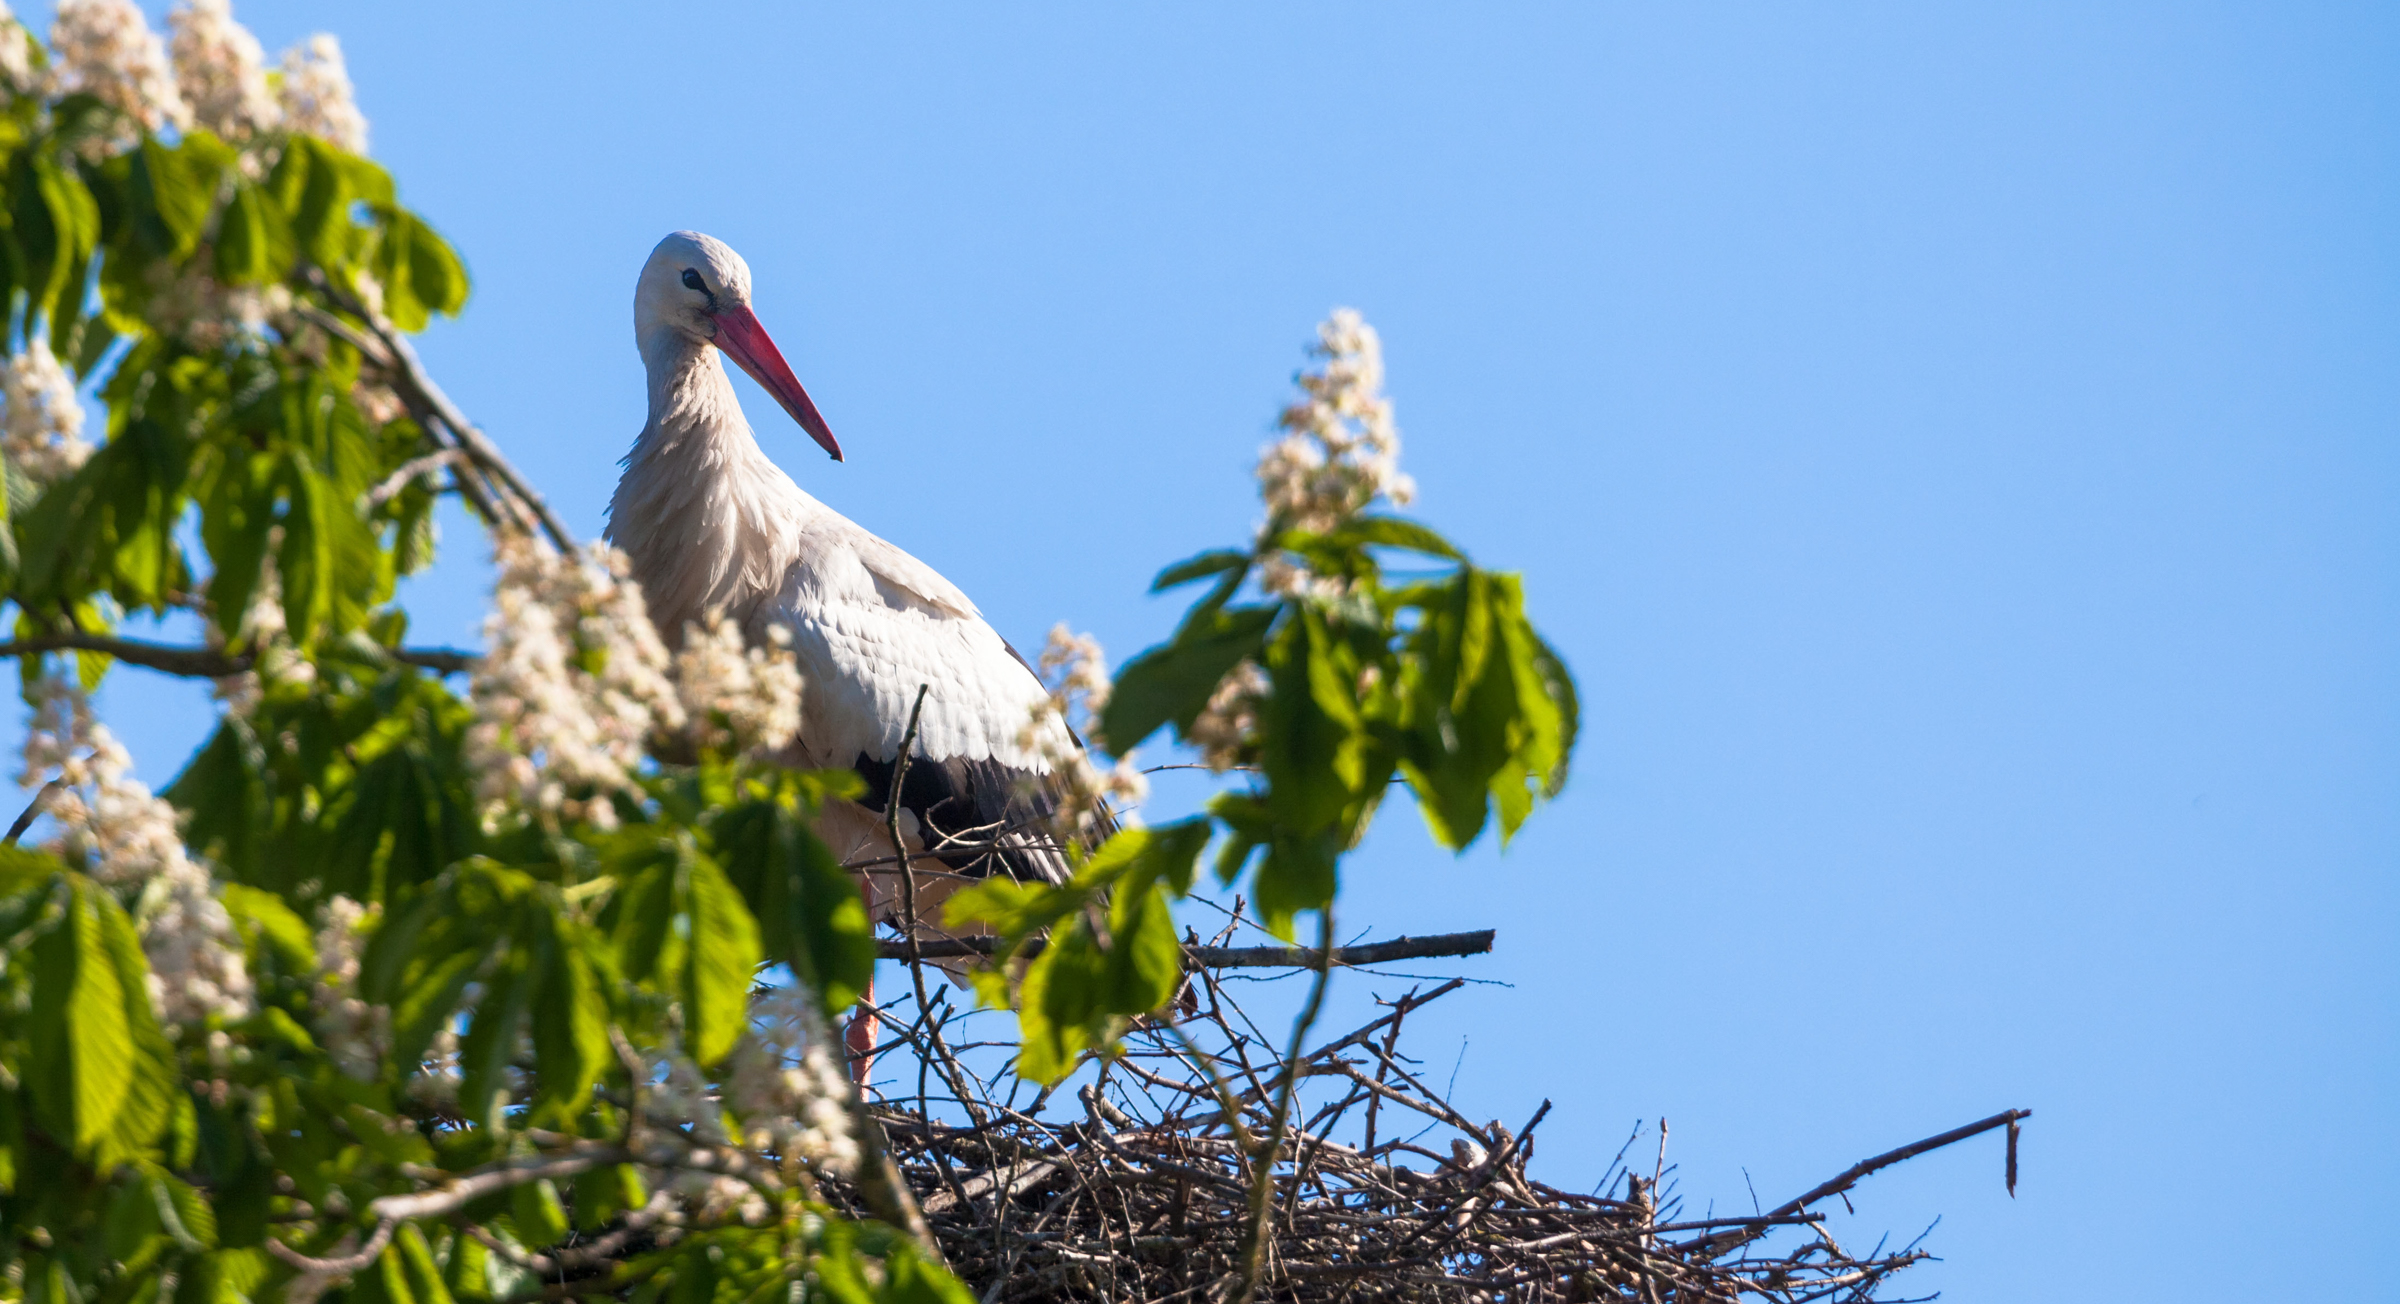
x,y
861,1036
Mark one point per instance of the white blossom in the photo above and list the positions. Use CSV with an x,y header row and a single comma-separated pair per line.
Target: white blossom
x,y
16,54
784,1087
355,1034
1340,452
1223,729
317,97
128,838
105,47
44,433
681,1094
192,303
274,659
1090,798
737,697
221,72
573,683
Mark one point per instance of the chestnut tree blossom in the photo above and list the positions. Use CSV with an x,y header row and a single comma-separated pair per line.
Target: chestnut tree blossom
x,y
1091,799
572,683
106,49
735,697
1340,451
353,1032
44,419
16,53
221,71
126,837
317,96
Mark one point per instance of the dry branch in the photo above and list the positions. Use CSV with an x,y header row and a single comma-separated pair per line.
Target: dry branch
x,y
1230,957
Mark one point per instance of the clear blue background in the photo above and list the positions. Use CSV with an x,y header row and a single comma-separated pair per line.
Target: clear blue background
x,y
1954,447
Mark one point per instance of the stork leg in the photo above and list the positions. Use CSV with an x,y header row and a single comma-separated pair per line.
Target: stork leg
x,y
860,1037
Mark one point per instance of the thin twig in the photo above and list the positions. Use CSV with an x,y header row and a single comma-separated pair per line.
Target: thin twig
x,y
40,799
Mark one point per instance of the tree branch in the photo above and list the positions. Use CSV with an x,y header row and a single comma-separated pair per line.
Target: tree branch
x,y
1235,957
1849,1177
206,663
389,348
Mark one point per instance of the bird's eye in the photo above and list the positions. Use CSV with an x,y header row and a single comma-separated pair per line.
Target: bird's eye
x,y
691,281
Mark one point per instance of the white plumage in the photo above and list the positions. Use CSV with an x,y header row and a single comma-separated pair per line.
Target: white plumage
x,y
712,525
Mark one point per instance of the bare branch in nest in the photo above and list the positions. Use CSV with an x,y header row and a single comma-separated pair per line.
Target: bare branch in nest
x,y
1230,957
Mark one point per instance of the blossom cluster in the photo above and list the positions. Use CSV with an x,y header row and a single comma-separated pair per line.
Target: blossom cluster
x,y
221,71
1090,798
572,685
273,658
16,54
785,1088
43,431
1340,451
782,1092
738,698
1223,729
317,96
192,303
354,1033
104,48
128,838
212,74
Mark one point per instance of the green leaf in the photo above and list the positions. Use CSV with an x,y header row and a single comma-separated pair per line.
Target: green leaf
x,y
439,278
254,241
1145,959
1306,747
809,912
103,1074
385,1281
321,217
570,1026
424,1275
1385,532
1062,1006
1488,711
392,259
603,1193
264,916
490,1044
1297,874
541,1219
1173,682
228,1276
1549,671
724,955
183,1212
1078,993
468,1274
180,186
1199,568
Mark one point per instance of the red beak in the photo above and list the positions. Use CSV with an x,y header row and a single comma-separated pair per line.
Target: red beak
x,y
746,342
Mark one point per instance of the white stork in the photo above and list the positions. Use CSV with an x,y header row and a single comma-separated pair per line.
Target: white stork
x,y
714,527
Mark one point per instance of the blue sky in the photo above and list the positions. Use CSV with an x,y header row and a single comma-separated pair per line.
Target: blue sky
x,y
1954,447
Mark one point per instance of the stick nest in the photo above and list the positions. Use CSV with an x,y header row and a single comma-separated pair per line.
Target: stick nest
x,y
1138,1188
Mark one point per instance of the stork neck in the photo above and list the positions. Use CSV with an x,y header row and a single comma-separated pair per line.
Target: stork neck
x,y
689,391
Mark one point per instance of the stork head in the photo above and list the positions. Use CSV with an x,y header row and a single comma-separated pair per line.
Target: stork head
x,y
696,287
